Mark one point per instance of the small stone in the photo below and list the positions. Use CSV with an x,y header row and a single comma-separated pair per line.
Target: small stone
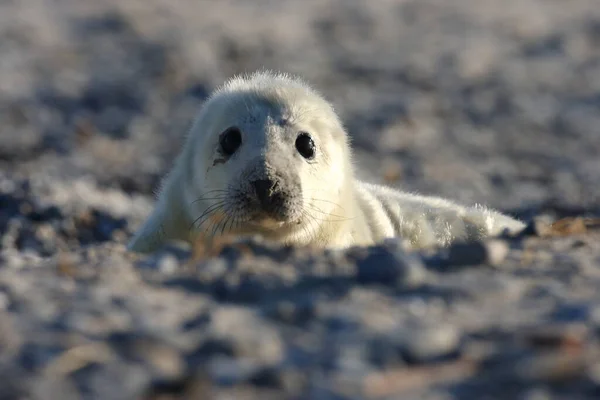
x,y
492,252
214,347
250,335
10,337
54,389
4,301
212,270
536,394
87,323
351,359
11,258
116,380
467,254
555,336
545,226
569,226
392,171
295,312
293,380
382,266
168,264
593,373
555,366
166,260
178,249
266,377
497,250
230,371
573,312
164,360
429,343
539,226
66,264
381,352
594,315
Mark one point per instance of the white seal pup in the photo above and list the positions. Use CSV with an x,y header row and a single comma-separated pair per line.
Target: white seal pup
x,y
268,155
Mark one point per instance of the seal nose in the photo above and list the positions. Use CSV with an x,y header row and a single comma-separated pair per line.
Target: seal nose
x,y
269,196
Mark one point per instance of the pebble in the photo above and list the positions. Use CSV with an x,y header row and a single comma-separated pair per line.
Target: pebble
x,y
491,252
4,301
554,367
540,225
382,266
165,361
50,388
168,264
423,343
593,373
252,337
296,312
537,393
229,371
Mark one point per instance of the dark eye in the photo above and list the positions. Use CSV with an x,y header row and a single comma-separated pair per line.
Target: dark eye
x,y
305,145
230,140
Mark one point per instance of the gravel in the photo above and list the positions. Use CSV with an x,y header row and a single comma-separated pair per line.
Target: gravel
x,y
480,101
107,324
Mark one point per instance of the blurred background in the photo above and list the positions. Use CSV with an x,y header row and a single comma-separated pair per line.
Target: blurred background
x,y
488,101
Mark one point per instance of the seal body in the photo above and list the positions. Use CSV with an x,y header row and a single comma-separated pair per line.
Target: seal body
x,y
268,155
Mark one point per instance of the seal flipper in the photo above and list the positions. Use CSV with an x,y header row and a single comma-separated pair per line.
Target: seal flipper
x,y
167,219
151,235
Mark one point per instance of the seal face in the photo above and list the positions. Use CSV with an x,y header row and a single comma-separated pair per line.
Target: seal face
x,y
268,155
265,156
260,190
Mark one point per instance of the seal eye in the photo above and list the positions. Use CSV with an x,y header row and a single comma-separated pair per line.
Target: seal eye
x,y
305,145
230,140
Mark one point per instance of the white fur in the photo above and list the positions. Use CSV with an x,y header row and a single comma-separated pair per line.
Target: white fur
x,y
335,209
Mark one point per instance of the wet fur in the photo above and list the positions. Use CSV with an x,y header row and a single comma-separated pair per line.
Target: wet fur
x,y
207,195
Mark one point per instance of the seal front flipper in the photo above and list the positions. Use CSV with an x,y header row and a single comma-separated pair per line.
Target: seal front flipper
x,y
151,235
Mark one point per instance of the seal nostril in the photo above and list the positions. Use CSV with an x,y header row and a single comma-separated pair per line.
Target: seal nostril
x,y
268,195
262,187
276,200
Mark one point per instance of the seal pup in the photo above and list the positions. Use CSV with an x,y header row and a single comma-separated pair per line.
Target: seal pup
x,y
268,155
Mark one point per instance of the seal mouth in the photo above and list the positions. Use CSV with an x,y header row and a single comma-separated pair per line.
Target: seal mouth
x,y
271,227
267,222
271,220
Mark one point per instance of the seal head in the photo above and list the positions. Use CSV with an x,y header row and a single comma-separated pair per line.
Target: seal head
x,y
267,155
